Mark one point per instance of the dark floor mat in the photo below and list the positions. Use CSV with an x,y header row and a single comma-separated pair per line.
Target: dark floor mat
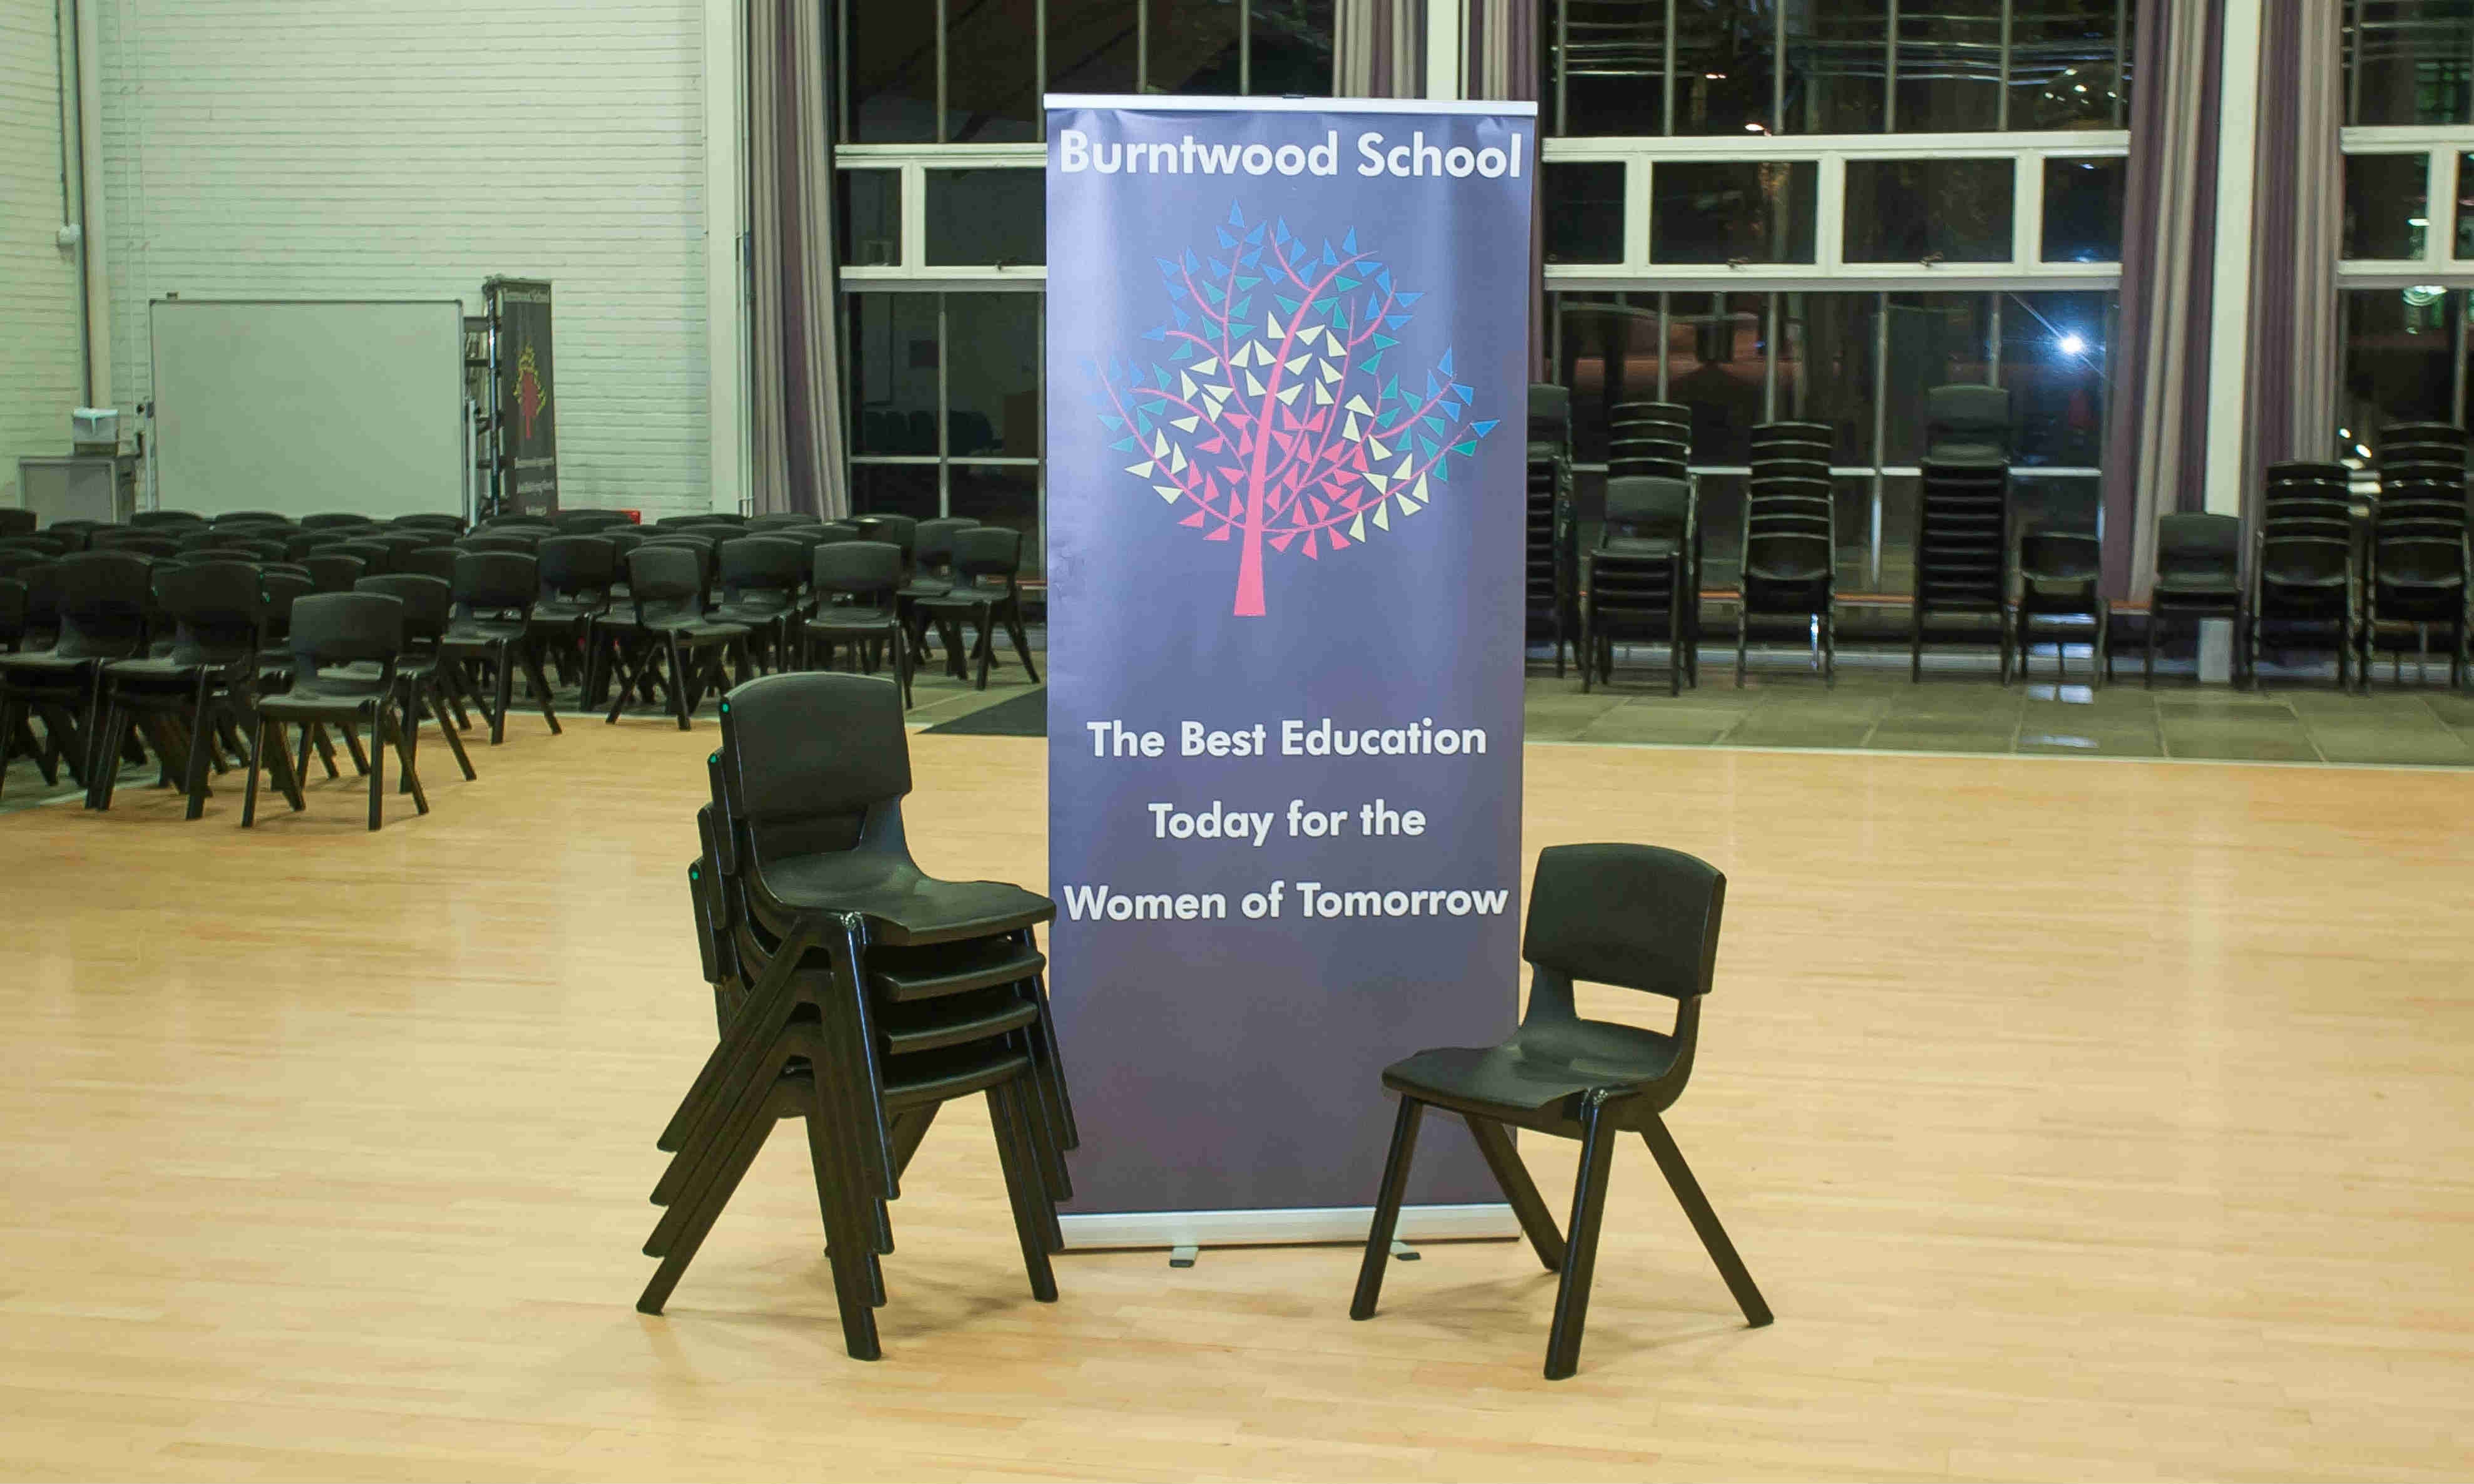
x,y
1019,716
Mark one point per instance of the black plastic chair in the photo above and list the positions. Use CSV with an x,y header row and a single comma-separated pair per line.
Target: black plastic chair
x,y
122,538
377,558
1632,916
1551,568
899,531
855,583
667,621
143,519
519,541
12,614
439,521
495,593
1640,582
334,571
931,572
1967,425
424,671
988,590
334,520
761,577
103,599
208,676
1963,553
2419,571
2305,570
2198,576
2061,575
576,576
584,523
855,991
1790,566
437,562
253,518
16,523
336,636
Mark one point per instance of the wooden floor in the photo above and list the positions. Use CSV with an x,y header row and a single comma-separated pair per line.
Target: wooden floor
x,y
2080,1120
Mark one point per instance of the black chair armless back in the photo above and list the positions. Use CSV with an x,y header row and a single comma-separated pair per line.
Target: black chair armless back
x,y
430,562
218,610
331,630
666,581
494,582
16,523
1550,413
987,557
850,754
104,600
13,613
1635,916
377,558
144,519
931,546
578,568
864,569
760,564
334,571
428,602
1656,509
282,590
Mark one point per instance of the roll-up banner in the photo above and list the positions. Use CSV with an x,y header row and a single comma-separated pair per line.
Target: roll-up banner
x,y
1287,397
527,411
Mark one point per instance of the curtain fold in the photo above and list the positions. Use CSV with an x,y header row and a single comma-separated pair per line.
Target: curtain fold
x,y
1500,61
1379,49
795,392
2158,418
2290,403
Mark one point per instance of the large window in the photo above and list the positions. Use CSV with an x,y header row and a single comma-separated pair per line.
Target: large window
x,y
1737,67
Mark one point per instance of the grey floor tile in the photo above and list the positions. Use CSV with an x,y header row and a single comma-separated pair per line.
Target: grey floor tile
x,y
2261,742
2453,709
1647,723
2096,741
1899,737
2392,744
1764,730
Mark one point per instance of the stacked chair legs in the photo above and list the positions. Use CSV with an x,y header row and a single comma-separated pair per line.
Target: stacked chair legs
x,y
855,994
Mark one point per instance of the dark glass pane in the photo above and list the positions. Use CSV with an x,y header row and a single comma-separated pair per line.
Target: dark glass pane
x,y
1755,212
1826,372
1291,44
991,70
1006,494
894,489
1583,213
2465,206
1722,529
1193,47
986,216
2399,359
1898,533
1902,210
1725,52
893,373
992,376
892,67
2409,61
2387,206
1851,503
1949,67
1607,353
1837,66
2064,501
1091,46
2083,211
1614,55
1934,340
2053,361
2063,72
868,226
1717,365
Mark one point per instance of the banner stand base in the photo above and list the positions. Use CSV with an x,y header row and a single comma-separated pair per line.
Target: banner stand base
x,y
1335,1224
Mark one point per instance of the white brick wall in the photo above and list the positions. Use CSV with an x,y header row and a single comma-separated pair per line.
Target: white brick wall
x,y
363,148
39,310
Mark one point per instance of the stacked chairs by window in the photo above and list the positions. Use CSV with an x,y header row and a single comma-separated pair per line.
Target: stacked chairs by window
x,y
666,625
988,590
1552,581
345,650
931,575
424,671
2061,575
1639,577
2418,571
855,584
494,593
189,696
1630,916
2199,575
761,579
2406,444
1791,560
1651,440
855,993
2304,578
1967,425
102,602
1963,553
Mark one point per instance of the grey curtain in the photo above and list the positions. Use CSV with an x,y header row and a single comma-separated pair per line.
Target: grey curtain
x,y
795,392
2289,405
2158,418
1379,49
1500,61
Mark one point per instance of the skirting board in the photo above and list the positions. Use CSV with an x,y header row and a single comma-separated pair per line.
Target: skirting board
x,y
1241,1229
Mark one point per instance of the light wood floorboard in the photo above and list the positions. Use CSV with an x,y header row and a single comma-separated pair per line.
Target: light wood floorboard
x,y
2079,1122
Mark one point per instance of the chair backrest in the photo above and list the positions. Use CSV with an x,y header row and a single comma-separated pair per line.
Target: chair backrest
x,y
73,535
430,562
2301,559
845,530
429,521
2048,555
804,754
494,582
517,523
104,600
12,611
577,566
985,551
144,519
1635,916
665,580
15,558
900,531
332,519
347,628
501,539
1550,413
623,539
253,518
1650,507
2198,548
582,522
375,555
334,571
427,601
857,568
122,538
773,518
760,564
282,590
16,523
1967,423
218,609
931,545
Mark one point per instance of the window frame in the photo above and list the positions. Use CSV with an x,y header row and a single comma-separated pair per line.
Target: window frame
x,y
2440,145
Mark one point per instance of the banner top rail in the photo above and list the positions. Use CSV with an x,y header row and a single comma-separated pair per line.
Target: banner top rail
x,y
1163,103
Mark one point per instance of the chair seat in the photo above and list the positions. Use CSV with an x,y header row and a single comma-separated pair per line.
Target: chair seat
x,y
753,613
43,665
959,600
162,671
851,621
1539,1066
312,705
483,631
695,628
910,906
926,587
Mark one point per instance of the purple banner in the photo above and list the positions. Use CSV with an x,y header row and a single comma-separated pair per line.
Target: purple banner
x,y
1287,393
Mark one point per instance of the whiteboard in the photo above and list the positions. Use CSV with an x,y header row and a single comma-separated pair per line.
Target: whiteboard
x,y
301,406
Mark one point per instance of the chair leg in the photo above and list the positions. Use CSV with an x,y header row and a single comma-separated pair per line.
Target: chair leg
x,y
986,648
1916,645
1021,639
257,751
1503,1158
1744,630
454,740
2147,665
1387,1208
290,772
1580,1246
679,703
541,686
1705,1221
201,742
406,724
1023,1189
503,663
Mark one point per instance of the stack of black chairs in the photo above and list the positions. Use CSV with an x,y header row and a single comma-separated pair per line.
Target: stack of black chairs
x,y
1552,583
1788,558
854,993
1640,582
1649,440
2417,570
1963,542
2305,581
